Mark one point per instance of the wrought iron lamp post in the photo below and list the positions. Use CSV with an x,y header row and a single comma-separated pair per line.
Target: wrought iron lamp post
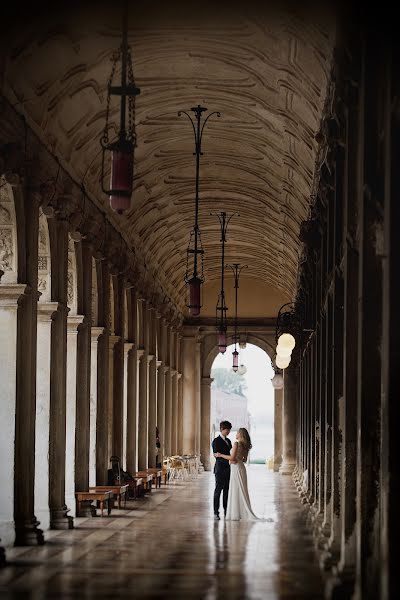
x,y
121,149
194,277
236,269
221,307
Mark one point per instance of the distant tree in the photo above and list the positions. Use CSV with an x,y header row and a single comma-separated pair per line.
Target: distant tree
x,y
228,381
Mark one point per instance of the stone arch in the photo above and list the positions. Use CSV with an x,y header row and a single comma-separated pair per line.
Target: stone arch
x,y
72,292
8,234
44,260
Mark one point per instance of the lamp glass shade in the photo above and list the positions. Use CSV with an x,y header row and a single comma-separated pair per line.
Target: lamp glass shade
x,y
121,183
283,352
242,370
235,364
222,341
277,381
194,296
286,340
282,363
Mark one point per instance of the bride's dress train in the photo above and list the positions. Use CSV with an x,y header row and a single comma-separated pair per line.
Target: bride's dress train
x,y
239,506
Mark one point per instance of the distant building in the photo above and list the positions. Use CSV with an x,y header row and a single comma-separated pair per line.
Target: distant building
x,y
227,406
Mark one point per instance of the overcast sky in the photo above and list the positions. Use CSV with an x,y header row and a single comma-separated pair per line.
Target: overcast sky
x,y
260,392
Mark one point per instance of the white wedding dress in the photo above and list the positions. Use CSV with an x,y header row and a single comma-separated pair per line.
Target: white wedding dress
x,y
239,506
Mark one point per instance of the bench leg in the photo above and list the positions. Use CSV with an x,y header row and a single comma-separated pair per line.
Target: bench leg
x,y
119,500
101,507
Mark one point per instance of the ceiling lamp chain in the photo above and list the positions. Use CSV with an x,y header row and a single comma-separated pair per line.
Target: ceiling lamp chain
x,y
121,149
194,276
236,269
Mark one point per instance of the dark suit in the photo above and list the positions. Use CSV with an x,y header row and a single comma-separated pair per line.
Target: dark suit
x,y
222,471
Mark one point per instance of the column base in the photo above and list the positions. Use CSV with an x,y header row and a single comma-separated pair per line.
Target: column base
x,y
287,468
87,509
2,557
27,533
340,587
59,519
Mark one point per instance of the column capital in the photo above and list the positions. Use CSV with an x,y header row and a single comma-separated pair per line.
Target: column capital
x,y
159,363
47,310
12,294
173,372
179,375
140,353
207,380
73,322
96,332
128,347
113,340
166,368
150,357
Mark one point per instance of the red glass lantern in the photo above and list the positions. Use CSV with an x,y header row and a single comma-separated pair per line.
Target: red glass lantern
x,y
194,296
235,365
121,183
222,341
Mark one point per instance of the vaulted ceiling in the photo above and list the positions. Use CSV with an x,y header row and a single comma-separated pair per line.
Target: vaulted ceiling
x,y
265,71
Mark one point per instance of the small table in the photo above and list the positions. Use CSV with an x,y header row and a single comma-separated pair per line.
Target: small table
x,y
84,501
117,490
147,479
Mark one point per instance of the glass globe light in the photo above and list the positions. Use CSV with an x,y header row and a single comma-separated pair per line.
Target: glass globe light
x,y
282,363
283,352
277,381
286,340
242,370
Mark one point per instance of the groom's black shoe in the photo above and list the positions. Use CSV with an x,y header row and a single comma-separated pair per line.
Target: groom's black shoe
x,y
216,517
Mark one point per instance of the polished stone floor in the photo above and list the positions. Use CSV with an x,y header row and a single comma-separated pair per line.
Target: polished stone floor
x,y
169,546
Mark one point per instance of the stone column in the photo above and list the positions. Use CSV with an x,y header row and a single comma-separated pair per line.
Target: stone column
x,y
132,412
143,410
127,348
95,333
189,392
11,299
289,422
113,340
59,518
205,422
197,391
174,412
73,322
278,402
168,410
152,421
46,310
180,414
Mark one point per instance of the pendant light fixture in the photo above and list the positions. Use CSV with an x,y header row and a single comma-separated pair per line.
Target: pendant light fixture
x,y
194,277
221,308
121,149
236,269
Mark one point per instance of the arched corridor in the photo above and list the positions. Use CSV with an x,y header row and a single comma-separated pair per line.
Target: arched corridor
x,y
121,226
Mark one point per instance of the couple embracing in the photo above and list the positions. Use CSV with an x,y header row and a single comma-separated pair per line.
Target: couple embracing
x,y
231,476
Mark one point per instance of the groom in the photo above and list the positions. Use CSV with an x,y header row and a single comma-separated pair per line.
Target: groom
x,y
222,468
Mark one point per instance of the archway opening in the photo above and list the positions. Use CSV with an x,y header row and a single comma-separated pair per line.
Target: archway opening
x,y
245,399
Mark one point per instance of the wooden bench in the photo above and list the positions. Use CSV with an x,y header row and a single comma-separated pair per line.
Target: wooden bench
x,y
84,501
117,490
134,486
156,473
147,479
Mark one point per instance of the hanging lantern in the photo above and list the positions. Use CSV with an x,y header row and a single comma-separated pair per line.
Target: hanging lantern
x,y
121,150
194,276
222,343
242,370
235,364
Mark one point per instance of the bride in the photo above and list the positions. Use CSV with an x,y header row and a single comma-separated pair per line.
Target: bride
x,y
239,507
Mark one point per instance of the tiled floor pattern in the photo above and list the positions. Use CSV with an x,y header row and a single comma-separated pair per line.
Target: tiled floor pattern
x,y
169,546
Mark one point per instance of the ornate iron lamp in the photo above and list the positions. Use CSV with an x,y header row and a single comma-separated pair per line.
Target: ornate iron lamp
x,y
221,307
121,149
236,269
194,277
289,325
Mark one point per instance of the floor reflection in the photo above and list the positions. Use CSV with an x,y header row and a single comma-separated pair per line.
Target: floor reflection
x,y
169,547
